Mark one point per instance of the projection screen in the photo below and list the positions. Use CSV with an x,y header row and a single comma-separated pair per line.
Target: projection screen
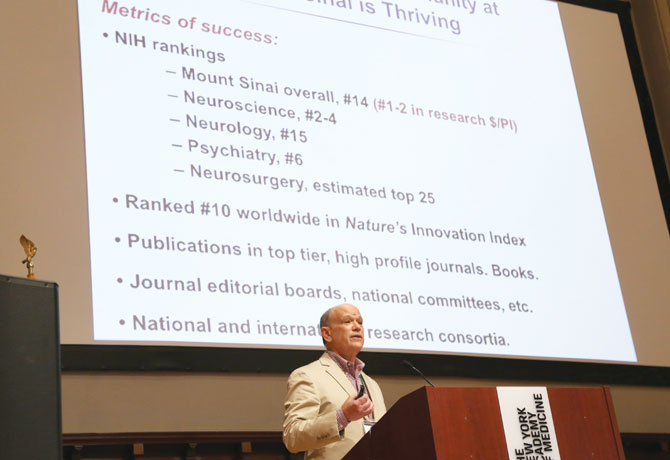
x,y
474,176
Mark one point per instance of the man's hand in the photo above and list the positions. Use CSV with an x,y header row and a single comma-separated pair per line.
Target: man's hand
x,y
354,409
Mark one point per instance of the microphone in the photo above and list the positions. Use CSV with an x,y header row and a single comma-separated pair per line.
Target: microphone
x,y
411,366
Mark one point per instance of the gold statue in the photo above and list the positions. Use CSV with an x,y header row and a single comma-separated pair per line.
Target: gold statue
x,y
30,249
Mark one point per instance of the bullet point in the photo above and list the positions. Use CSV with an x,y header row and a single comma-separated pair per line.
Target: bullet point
x,y
119,280
115,200
117,239
105,35
122,322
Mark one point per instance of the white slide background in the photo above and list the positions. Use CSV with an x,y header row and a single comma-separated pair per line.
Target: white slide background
x,y
471,132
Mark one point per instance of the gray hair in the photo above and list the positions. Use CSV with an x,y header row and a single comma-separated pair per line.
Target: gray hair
x,y
325,318
325,321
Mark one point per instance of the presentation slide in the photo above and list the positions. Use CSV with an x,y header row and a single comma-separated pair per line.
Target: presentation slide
x,y
251,163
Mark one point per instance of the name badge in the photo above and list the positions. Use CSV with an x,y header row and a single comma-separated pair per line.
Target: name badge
x,y
368,424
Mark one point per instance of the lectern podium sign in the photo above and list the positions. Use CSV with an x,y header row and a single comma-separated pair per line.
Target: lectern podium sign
x,y
495,424
528,423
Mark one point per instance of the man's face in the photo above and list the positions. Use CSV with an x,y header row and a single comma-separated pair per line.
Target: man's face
x,y
344,334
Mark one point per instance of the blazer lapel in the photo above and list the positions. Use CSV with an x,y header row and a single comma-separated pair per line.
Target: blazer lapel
x,y
335,371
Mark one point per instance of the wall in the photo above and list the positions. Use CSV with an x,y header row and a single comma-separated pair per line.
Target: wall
x,y
652,27
131,402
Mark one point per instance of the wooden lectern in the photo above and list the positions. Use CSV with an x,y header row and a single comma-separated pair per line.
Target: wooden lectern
x,y
465,424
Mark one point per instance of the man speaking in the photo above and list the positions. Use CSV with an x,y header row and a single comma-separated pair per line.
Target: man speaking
x,y
331,403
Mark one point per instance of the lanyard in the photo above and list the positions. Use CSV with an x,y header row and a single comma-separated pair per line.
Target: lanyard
x,y
365,387
370,417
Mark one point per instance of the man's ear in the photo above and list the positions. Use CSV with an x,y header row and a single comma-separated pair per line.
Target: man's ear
x,y
325,334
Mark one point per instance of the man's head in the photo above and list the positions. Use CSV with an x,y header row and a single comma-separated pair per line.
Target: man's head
x,y
342,330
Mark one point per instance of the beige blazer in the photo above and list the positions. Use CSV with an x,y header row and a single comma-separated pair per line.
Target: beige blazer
x,y
315,392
